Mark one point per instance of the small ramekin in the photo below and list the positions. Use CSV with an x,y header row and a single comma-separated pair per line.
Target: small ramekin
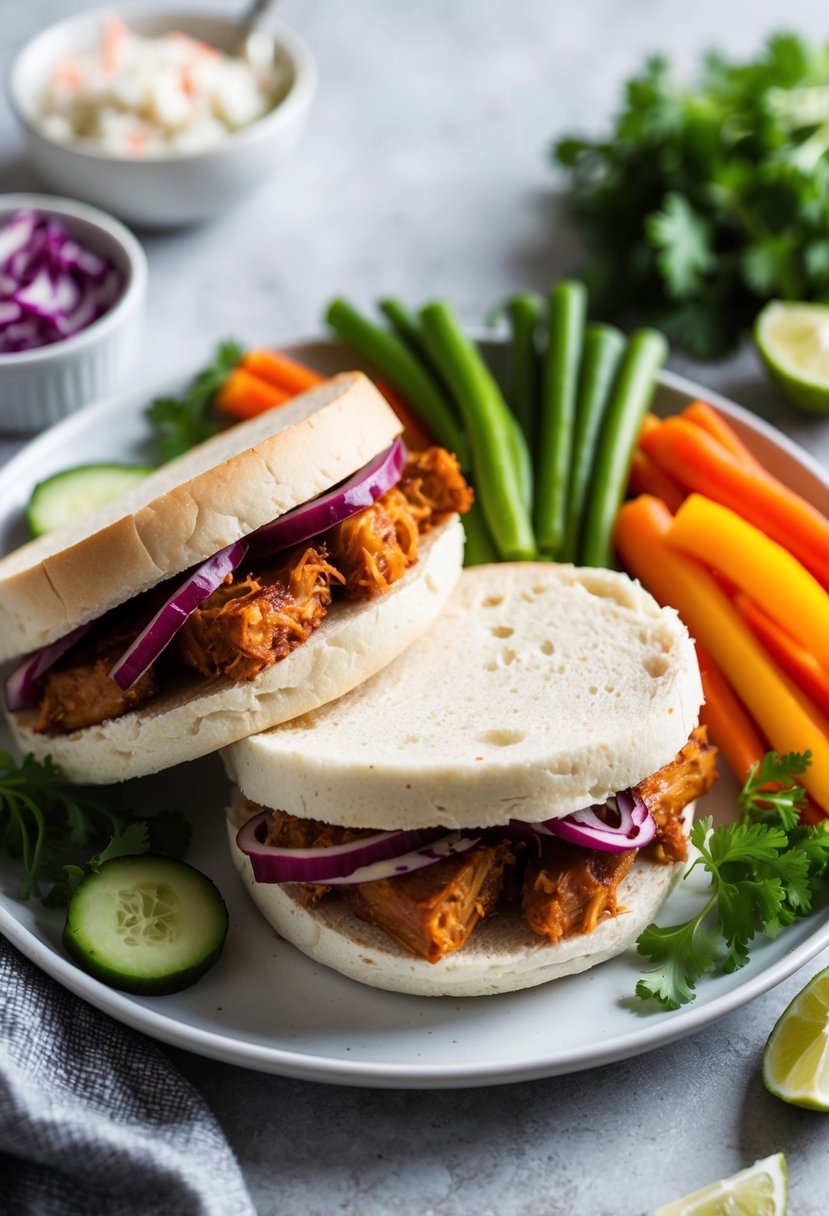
x,y
41,386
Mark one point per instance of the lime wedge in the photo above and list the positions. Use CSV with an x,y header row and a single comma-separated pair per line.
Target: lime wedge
x,y
761,1190
796,1058
794,342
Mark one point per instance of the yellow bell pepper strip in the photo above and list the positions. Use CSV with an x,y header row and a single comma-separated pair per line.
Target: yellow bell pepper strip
x,y
764,570
786,717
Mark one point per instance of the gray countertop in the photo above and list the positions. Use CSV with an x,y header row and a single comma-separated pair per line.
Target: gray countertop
x,y
424,173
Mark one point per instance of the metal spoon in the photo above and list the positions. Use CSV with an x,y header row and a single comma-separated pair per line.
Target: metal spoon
x,y
250,42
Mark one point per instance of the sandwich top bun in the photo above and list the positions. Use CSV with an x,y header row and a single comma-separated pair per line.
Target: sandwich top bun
x,y
190,509
541,689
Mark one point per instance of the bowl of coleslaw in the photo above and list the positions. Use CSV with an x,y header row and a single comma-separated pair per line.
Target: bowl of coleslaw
x,y
154,116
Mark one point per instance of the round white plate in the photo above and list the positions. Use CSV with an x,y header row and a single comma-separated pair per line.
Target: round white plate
x,y
266,1006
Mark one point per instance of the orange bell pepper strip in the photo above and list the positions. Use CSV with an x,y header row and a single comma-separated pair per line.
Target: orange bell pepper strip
x,y
280,370
701,464
787,718
244,395
728,720
764,570
796,660
647,478
705,416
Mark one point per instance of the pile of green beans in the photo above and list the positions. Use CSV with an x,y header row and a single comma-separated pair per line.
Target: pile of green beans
x,y
549,454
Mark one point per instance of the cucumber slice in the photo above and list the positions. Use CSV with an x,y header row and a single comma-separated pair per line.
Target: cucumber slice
x,y
75,492
148,925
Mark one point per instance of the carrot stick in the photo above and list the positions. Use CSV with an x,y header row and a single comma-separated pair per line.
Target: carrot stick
x,y
646,477
701,464
705,416
728,720
282,371
766,571
795,659
788,719
649,424
244,395
416,435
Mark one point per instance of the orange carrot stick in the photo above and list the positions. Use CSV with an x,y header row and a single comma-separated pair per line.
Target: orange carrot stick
x,y
705,416
649,424
416,435
646,477
730,725
700,463
244,395
787,718
282,371
795,659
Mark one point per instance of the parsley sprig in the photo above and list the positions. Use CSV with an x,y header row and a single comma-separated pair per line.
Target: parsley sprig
x,y
766,870
61,831
181,423
708,199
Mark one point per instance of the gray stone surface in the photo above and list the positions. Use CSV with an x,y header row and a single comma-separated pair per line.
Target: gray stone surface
x,y
424,172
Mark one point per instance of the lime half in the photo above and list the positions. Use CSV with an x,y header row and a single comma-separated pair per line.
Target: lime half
x,y
796,1058
761,1190
794,342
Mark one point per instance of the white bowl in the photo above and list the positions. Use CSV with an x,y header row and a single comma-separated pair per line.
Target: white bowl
x,y
160,191
41,386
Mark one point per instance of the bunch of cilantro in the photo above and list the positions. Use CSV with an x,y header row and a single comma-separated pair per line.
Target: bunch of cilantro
x,y
707,201
60,832
766,870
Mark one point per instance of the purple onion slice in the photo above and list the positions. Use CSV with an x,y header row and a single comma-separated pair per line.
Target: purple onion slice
x,y
381,855
346,499
635,829
164,626
21,684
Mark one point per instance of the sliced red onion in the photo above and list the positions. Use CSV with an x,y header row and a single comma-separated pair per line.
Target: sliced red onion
x,y
346,499
635,829
367,859
21,684
171,616
50,287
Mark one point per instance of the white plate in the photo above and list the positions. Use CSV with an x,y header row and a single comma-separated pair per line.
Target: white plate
x,y
265,1006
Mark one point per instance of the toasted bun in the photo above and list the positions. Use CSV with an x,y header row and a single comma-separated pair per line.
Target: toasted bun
x,y
353,642
540,690
502,955
189,509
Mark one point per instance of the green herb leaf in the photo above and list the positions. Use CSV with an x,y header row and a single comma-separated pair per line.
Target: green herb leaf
x,y
683,241
765,870
181,423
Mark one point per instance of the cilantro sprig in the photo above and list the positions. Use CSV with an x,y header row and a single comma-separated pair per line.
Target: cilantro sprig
x,y
766,870
181,423
708,199
61,831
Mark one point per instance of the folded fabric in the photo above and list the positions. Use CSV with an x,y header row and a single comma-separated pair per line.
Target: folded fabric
x,y
94,1119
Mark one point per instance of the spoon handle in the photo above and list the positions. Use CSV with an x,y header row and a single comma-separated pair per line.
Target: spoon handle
x,y
249,21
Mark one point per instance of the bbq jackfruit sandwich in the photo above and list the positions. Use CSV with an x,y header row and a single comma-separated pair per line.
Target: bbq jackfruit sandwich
x,y
260,575
508,803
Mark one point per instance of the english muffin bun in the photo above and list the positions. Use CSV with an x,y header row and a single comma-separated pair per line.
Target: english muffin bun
x,y
178,517
539,691
542,689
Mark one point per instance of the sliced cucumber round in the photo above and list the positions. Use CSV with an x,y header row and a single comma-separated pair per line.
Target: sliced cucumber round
x,y
75,492
148,925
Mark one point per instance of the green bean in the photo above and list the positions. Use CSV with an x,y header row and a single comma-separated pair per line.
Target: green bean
x,y
405,325
601,355
480,548
488,422
403,370
565,333
520,452
632,392
524,312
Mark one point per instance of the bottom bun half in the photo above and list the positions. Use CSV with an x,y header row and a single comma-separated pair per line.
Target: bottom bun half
x,y
502,954
354,641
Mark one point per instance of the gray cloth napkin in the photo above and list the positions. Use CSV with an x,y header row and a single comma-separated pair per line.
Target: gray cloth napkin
x,y
94,1119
